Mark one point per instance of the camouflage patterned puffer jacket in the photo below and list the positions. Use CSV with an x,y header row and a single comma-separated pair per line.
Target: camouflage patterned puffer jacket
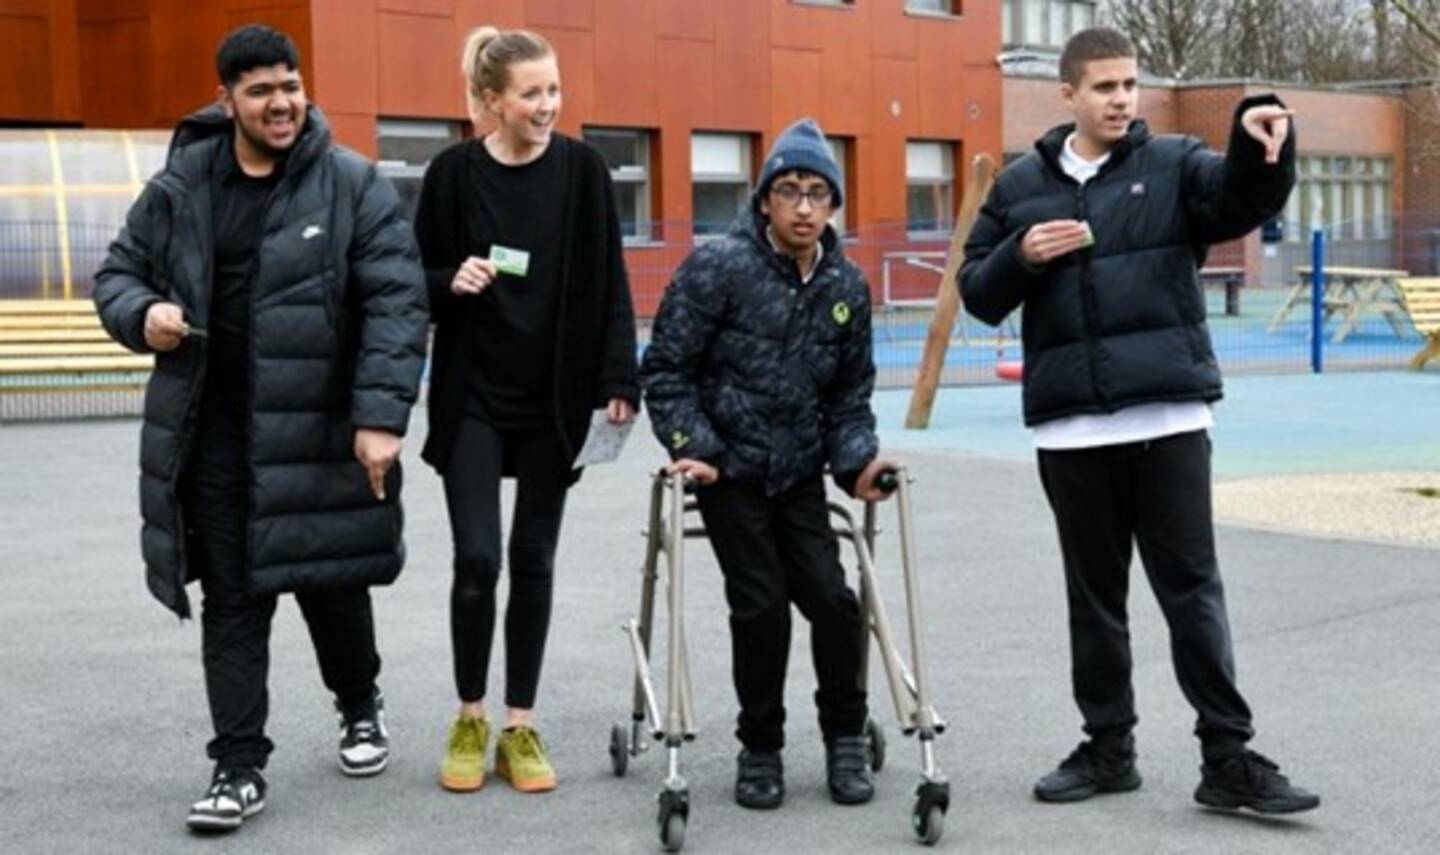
x,y
764,377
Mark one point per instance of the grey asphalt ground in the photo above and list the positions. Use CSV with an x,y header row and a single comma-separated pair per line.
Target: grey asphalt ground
x,y
104,718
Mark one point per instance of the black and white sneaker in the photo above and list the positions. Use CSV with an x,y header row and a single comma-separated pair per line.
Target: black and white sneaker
x,y
234,795
364,742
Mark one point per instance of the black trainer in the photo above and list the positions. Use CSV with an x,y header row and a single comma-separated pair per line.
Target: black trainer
x,y
364,742
759,780
1251,780
1089,771
234,795
847,771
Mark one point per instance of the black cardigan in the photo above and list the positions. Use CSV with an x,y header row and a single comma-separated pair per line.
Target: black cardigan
x,y
595,324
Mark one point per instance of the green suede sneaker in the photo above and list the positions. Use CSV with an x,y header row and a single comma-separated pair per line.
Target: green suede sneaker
x,y
463,769
520,759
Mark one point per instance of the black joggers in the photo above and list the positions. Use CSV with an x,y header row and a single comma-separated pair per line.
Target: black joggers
x,y
1155,495
775,550
235,624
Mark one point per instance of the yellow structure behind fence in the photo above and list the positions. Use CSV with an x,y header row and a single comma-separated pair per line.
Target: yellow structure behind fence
x,y
63,196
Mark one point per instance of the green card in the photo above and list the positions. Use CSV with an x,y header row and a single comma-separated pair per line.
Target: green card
x,y
515,262
1089,235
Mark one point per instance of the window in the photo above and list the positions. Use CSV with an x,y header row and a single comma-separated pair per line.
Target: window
x,y
934,7
1348,196
929,187
406,148
839,148
720,172
1045,23
627,153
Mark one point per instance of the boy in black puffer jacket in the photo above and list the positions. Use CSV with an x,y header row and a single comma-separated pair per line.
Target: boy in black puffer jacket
x,y
1098,234
758,374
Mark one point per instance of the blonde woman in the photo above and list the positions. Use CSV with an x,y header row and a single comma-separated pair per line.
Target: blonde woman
x,y
534,331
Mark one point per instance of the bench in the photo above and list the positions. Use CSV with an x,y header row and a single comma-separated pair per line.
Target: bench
x,y
57,360
1421,298
1232,278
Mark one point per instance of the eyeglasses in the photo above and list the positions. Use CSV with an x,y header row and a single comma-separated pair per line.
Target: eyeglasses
x,y
791,194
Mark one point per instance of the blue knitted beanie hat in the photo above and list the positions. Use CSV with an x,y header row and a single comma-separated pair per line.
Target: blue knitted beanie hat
x,y
802,146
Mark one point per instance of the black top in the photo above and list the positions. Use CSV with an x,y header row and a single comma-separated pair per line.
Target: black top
x,y
594,342
512,358
238,205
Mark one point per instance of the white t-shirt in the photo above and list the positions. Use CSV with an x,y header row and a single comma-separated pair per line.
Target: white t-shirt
x,y
1132,424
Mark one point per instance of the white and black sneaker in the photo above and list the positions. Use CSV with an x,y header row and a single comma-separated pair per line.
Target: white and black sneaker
x,y
364,742
234,795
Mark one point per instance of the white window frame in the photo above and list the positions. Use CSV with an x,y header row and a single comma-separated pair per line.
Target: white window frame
x,y
1045,23
636,175
840,150
946,8
712,172
1348,195
406,174
943,176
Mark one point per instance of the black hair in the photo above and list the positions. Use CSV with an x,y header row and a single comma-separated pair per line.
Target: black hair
x,y
1090,46
253,46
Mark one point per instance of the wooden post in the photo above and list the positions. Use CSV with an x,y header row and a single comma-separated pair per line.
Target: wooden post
x,y
947,301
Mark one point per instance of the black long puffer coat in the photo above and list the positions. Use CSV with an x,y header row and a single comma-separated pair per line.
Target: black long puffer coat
x,y
339,322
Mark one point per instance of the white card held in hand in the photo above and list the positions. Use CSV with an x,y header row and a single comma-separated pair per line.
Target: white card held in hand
x,y
604,441
515,262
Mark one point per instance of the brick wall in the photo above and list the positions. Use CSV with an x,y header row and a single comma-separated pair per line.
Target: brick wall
x,y
1033,106
1420,180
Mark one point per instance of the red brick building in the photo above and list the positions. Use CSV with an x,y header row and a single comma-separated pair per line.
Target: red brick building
x,y
684,96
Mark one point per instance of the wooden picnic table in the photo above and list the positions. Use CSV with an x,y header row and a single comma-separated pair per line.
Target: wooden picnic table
x,y
1350,293
1233,278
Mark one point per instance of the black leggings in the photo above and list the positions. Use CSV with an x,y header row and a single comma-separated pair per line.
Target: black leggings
x,y
472,493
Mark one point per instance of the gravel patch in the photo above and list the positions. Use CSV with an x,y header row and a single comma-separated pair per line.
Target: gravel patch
x,y
1385,507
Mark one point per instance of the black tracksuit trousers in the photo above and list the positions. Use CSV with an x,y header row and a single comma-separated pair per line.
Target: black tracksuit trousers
x,y
1154,495
775,550
235,623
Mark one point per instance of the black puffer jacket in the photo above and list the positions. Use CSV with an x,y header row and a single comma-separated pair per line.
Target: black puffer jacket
x,y
338,332
763,377
1121,323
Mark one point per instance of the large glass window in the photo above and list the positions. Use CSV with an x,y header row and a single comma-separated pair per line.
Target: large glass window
x,y
627,153
1045,23
1347,195
720,172
929,188
406,148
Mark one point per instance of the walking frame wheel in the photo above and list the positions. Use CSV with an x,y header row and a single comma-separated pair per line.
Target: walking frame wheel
x,y
674,815
932,800
875,744
929,826
619,750
672,836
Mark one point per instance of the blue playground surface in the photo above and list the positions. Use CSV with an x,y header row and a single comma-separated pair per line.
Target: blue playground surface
x,y
1242,342
1266,424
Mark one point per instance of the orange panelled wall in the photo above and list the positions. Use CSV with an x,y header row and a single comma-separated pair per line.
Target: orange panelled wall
x,y
38,79
868,72
125,63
